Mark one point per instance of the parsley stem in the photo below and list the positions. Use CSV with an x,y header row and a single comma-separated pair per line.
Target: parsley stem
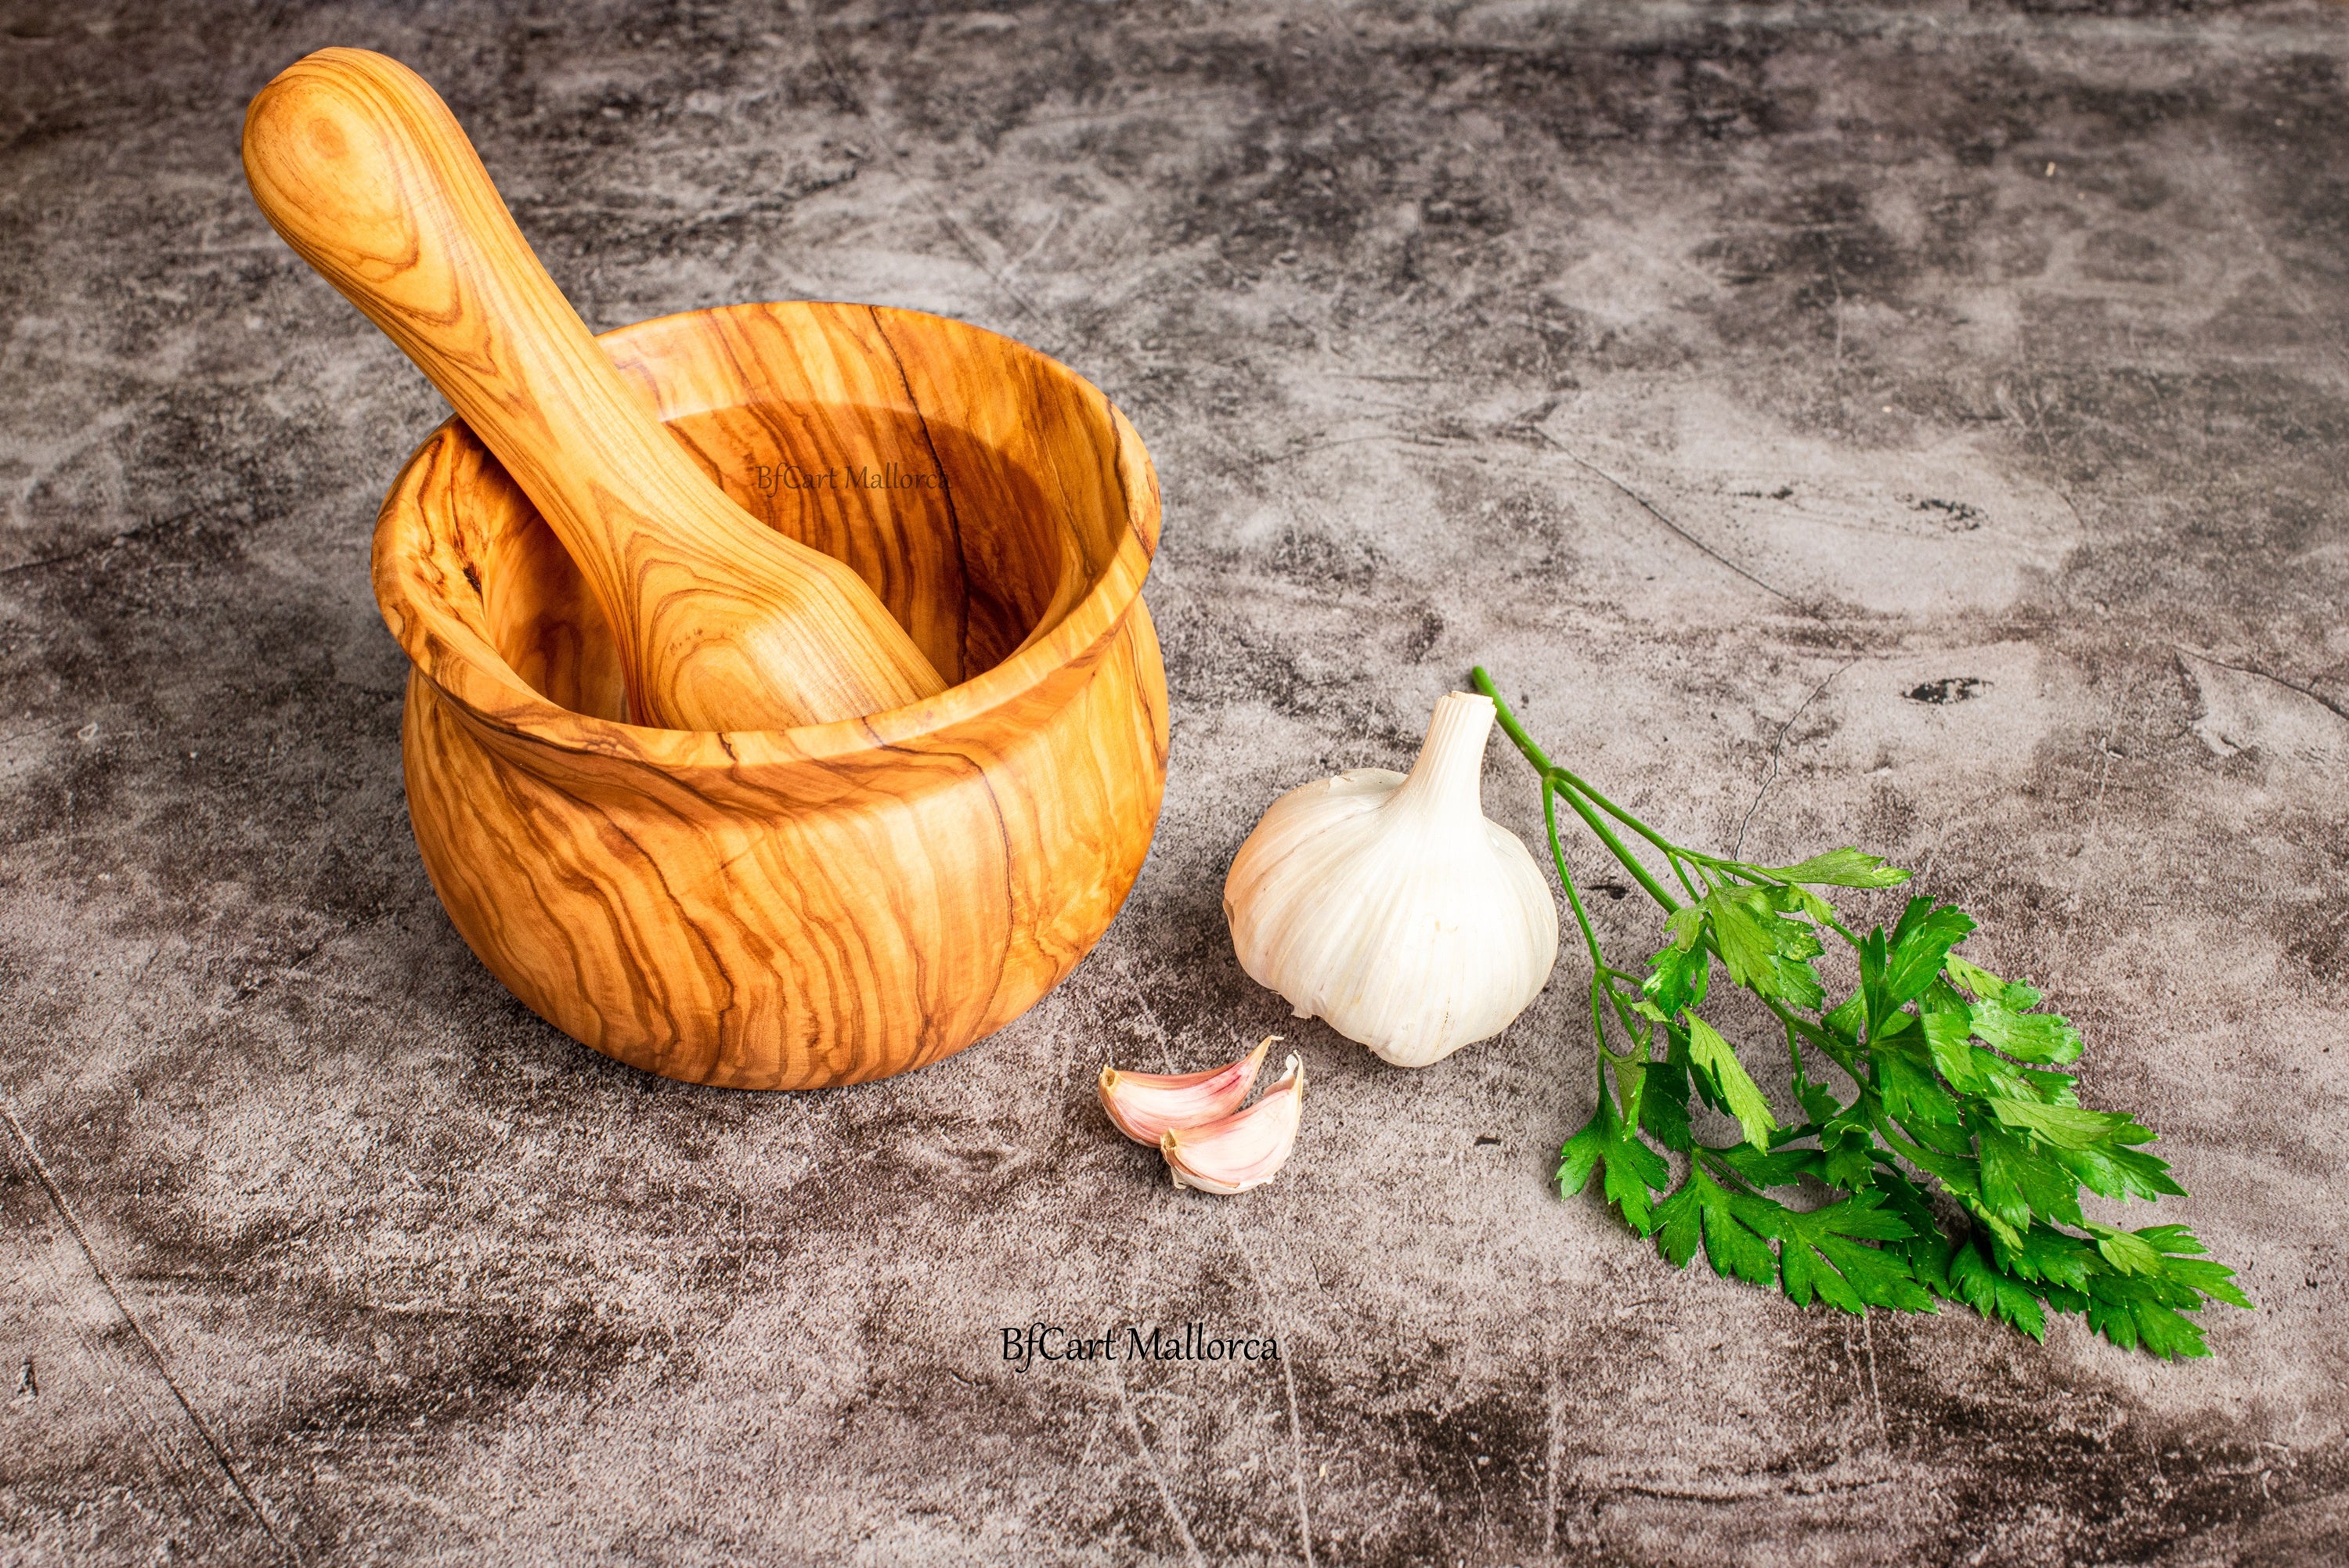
x,y
1900,1145
1671,850
1565,783
1582,798
1482,681
1601,971
1579,791
1724,1172
1573,898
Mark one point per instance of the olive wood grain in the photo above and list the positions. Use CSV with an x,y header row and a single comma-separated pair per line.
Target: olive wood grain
x,y
719,621
832,903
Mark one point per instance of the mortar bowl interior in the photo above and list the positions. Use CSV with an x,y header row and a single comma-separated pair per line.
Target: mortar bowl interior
x,y
838,901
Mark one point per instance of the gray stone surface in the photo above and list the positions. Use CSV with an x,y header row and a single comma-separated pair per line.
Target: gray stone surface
x,y
1957,344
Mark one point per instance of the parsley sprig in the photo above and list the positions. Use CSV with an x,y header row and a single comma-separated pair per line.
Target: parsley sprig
x,y
1949,1087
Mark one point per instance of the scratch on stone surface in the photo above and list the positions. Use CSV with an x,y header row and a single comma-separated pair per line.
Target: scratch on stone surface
x,y
2321,331
1652,510
2104,773
88,1355
1307,448
130,990
2035,425
1778,747
1288,1381
1553,1396
31,1159
1093,1436
1875,1391
1724,1499
1157,1476
1051,226
2310,692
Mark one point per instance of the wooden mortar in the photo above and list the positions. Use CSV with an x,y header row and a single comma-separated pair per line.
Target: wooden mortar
x,y
793,909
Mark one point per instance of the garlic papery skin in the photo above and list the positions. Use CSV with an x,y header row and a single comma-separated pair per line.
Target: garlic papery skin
x,y
1390,908
1144,1105
1244,1150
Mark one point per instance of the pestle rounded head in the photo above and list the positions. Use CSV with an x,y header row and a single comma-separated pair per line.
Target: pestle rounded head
x,y
722,623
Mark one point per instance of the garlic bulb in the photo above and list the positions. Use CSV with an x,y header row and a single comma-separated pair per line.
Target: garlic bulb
x,y
1390,908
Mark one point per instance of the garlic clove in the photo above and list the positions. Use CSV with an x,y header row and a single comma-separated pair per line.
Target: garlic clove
x,y
1389,907
1244,1150
1144,1105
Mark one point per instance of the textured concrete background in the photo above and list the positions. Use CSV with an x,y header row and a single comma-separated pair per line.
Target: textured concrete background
x,y
1996,347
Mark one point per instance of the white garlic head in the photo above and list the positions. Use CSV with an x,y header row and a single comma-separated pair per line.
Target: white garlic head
x,y
1390,908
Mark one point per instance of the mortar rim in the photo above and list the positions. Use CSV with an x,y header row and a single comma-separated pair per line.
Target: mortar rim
x,y
461,663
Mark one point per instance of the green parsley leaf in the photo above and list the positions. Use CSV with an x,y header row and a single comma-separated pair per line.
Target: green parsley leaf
x,y
1928,1249
1710,1055
2025,1037
1777,1167
2049,1087
2048,1256
1631,1167
1845,1020
2066,1126
2172,1240
1679,978
1630,1078
2019,1180
1822,1253
1919,945
1848,1148
2126,1250
1702,1210
1995,1294
2114,1173
1910,1092
2159,1329
1663,1109
1580,1154
1762,949
1946,1034
1842,868
2214,1280
1981,982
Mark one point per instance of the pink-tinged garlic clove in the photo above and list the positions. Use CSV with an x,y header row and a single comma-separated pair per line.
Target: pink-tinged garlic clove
x,y
1244,1150
1144,1105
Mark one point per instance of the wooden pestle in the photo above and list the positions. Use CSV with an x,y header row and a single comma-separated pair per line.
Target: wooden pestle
x,y
722,622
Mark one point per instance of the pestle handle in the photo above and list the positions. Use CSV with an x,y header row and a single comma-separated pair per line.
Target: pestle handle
x,y
722,622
